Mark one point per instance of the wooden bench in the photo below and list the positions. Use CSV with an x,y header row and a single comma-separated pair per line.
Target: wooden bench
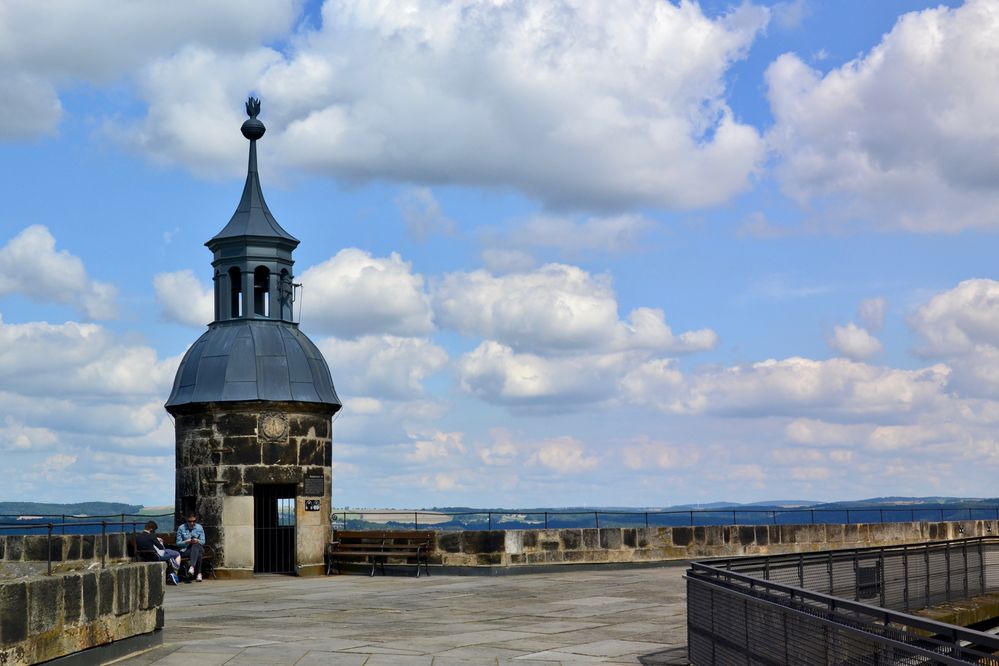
x,y
377,547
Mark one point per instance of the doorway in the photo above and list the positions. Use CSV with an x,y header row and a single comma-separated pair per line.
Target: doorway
x,y
274,528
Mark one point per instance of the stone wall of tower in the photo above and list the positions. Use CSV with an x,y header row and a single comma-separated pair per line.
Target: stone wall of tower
x,y
223,449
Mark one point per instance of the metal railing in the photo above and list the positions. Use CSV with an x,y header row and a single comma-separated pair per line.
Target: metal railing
x,y
10,523
836,607
535,519
50,527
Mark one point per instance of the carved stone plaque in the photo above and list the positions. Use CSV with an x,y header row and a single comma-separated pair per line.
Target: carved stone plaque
x,y
273,427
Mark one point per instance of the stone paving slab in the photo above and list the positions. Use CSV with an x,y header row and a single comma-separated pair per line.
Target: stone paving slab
x,y
614,616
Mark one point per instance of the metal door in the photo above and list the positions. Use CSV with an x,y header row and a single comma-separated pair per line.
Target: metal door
x,y
274,528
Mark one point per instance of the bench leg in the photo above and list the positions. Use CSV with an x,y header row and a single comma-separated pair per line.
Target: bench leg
x,y
374,563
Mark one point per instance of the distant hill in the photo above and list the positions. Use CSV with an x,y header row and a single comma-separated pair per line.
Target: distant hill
x,y
77,509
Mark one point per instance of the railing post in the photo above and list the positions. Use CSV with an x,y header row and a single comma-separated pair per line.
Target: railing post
x,y
691,518
881,575
905,577
773,515
64,523
546,520
856,576
947,559
49,549
847,516
416,520
646,520
104,541
811,513
881,515
596,519
926,563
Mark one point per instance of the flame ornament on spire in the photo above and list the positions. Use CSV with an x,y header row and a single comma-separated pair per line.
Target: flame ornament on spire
x,y
253,107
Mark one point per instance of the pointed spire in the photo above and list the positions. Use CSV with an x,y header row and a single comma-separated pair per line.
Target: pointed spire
x,y
252,216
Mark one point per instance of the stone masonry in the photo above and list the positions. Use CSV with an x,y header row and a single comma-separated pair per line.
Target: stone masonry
x,y
223,450
45,617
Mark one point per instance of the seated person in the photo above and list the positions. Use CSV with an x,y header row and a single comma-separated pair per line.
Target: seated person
x,y
191,540
147,541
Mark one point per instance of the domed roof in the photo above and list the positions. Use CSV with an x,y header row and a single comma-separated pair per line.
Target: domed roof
x,y
253,359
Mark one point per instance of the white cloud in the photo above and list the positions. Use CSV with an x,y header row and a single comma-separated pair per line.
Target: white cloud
x,y
854,342
100,41
565,455
184,299
384,367
905,136
354,294
612,104
504,260
872,312
30,265
423,214
820,433
555,308
435,446
646,454
574,236
957,320
17,436
793,387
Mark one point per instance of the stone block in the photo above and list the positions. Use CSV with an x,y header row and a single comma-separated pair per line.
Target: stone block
x,y
747,535
700,536
682,536
87,546
13,612
449,542
575,556
630,537
3,544
834,534
36,548
571,539
311,452
644,537
125,587
762,535
116,545
489,559
72,546
550,546
713,535
44,604
232,481
851,533
279,453
241,450
530,539
774,536
514,541
328,454
789,533
105,585
237,511
591,538
610,538
237,423
90,595
518,558
154,585
72,597
491,541
275,474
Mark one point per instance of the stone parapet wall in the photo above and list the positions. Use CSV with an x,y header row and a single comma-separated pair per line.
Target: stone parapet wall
x,y
45,617
513,548
68,551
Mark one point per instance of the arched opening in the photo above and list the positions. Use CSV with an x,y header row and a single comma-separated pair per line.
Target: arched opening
x,y
235,293
261,291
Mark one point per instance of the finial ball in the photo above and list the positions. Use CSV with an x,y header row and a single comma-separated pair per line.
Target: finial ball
x,y
253,129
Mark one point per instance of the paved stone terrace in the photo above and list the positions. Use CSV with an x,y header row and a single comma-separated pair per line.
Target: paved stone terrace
x,y
623,616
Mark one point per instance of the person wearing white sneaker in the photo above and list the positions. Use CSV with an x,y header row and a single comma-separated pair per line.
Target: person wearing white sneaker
x,y
191,540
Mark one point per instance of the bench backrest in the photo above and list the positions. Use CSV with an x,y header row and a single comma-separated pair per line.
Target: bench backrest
x,y
409,537
380,536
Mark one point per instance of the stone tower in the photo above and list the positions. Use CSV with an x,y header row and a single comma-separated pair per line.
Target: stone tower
x,y
253,403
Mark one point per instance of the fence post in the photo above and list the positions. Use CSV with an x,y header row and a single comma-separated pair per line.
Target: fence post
x,y
881,515
691,518
546,520
596,519
735,521
64,523
847,516
416,520
104,541
646,520
49,548
812,515
905,577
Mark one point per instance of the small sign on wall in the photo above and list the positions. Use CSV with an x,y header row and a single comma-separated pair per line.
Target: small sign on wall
x,y
312,505
314,485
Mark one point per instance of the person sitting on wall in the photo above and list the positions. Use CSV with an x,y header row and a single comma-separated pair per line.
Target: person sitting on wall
x,y
147,542
191,540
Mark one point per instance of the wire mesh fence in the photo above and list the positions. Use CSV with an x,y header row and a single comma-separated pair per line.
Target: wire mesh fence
x,y
841,607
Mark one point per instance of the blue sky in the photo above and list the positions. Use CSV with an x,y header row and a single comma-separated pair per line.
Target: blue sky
x,y
557,253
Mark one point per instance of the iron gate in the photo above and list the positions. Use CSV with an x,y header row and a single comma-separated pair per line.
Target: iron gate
x,y
274,528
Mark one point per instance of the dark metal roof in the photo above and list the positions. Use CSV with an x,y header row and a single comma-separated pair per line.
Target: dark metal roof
x,y
252,216
239,360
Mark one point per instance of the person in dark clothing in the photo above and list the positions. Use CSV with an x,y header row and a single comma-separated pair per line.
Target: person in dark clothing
x,y
147,542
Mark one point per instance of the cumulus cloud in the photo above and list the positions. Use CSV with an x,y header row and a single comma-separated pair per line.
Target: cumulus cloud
x,y
555,308
423,214
872,312
645,454
184,299
573,236
354,294
854,342
384,367
99,42
30,265
565,455
957,320
17,436
610,104
795,386
436,445
905,136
